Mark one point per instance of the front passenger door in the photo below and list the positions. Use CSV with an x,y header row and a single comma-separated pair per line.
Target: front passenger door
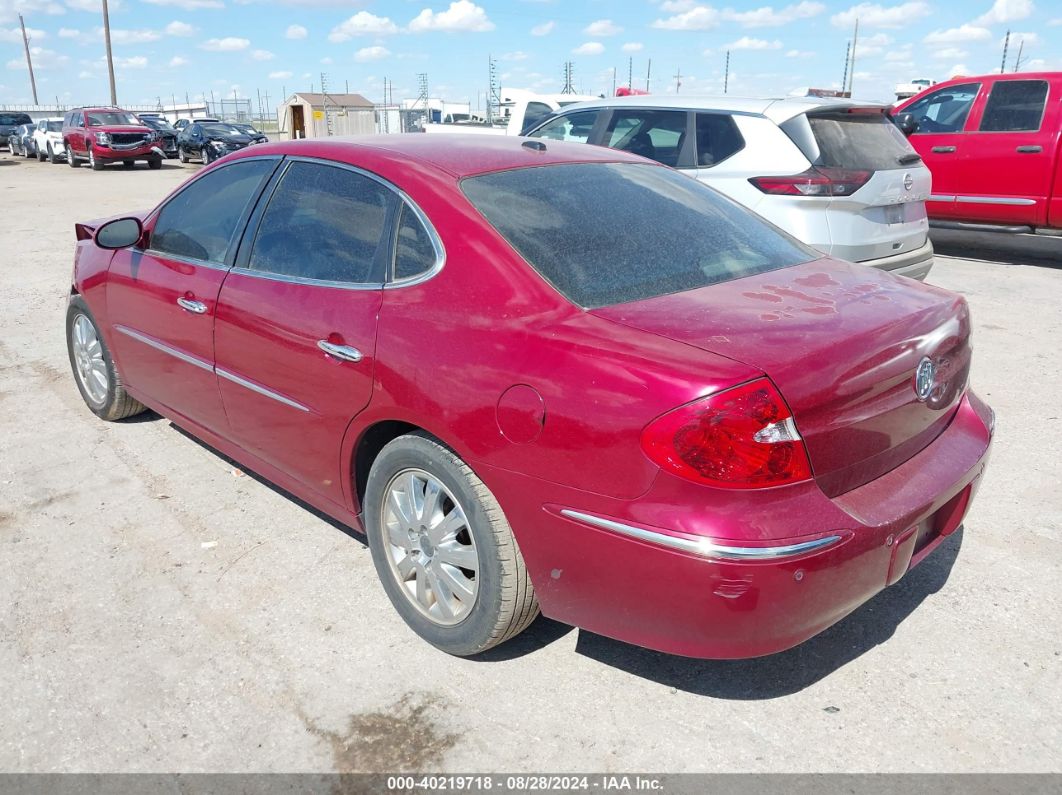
x,y
295,338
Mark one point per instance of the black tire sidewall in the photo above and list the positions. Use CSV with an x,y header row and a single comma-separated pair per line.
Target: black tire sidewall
x,y
474,633
78,307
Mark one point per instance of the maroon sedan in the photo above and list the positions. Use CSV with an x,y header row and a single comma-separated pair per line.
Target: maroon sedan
x,y
545,376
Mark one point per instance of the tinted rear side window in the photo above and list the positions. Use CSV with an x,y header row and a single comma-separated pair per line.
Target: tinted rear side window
x,y
607,233
717,138
1015,106
856,140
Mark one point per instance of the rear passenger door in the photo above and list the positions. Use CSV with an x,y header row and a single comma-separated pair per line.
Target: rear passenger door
x,y
295,338
1012,153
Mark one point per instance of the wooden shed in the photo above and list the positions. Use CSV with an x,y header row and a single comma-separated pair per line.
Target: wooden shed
x,y
319,115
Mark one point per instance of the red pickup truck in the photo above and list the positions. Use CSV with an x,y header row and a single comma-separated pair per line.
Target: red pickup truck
x,y
992,144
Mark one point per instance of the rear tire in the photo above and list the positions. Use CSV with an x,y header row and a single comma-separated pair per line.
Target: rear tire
x,y
433,524
42,156
71,159
95,374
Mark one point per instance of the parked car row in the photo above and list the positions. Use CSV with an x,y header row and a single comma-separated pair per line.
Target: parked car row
x,y
104,135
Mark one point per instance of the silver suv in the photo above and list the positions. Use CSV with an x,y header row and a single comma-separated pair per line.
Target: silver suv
x,y
836,174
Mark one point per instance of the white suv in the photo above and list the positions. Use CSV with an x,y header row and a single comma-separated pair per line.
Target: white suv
x,y
836,174
48,138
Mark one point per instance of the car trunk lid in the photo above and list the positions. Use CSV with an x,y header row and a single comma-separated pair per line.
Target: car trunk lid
x,y
843,344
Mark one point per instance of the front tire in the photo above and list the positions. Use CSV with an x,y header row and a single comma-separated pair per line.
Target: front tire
x,y
182,155
154,163
95,374
71,159
443,549
94,162
42,156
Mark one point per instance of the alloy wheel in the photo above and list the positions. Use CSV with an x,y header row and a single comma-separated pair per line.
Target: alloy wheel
x,y
88,360
430,547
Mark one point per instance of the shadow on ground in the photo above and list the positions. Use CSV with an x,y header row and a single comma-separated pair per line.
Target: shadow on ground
x,y
1034,250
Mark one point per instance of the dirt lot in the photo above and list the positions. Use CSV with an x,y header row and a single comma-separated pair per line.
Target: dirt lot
x,y
160,611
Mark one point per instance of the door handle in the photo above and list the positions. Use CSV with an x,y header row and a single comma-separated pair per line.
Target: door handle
x,y
198,307
1026,150
344,352
943,150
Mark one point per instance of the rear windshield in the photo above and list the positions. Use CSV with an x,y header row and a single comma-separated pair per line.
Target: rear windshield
x,y
15,119
55,126
865,140
607,233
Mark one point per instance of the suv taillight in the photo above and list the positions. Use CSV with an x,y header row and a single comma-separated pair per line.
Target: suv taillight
x,y
740,438
816,181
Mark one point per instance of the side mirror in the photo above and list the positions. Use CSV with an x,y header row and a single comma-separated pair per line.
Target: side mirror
x,y
119,233
906,122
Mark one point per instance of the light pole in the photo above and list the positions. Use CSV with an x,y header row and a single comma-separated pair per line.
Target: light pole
x,y
110,59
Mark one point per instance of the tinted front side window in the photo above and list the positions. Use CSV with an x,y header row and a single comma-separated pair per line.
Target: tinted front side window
x,y
573,127
944,111
656,134
324,223
717,138
201,221
1015,106
606,233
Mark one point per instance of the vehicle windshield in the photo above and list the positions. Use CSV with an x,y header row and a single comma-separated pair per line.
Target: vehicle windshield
x,y
14,119
220,129
55,126
101,118
608,233
156,123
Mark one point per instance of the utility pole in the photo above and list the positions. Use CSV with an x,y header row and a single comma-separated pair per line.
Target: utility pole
x,y
851,72
847,55
630,72
493,98
648,72
110,58
613,81
29,60
726,73
678,80
568,88
1006,42
1017,61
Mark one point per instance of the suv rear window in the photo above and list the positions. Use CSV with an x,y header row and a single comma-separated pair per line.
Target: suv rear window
x,y
15,119
607,233
854,139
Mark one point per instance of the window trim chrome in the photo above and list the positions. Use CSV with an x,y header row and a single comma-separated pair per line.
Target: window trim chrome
x,y
705,548
433,236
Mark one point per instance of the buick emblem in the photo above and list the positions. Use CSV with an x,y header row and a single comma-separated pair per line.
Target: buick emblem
x,y
908,181
925,375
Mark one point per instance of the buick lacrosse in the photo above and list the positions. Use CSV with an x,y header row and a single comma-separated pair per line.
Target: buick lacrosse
x,y
545,376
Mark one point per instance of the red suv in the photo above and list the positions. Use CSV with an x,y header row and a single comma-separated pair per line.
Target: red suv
x,y
108,135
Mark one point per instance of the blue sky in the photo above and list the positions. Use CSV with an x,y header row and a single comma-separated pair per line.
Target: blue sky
x,y
173,47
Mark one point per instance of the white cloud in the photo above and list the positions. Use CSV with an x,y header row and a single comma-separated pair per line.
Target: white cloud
x,y
872,45
676,6
602,27
177,60
362,24
188,5
326,60
296,32
134,62
747,43
799,54
589,48
1054,23
517,55
872,15
176,28
14,35
85,74
227,44
633,46
1005,11
957,70
949,54
901,55
1030,39
959,34
696,18
462,15
544,29
279,75
131,36
42,59
88,5
767,17
262,55
69,33
367,54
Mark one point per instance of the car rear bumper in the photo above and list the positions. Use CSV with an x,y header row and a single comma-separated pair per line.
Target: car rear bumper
x,y
660,574
914,264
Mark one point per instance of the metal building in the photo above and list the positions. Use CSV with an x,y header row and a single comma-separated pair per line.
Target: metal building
x,y
321,115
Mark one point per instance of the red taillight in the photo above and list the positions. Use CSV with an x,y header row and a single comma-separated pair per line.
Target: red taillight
x,y
741,438
816,181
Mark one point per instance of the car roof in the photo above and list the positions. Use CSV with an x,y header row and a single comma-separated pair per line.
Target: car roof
x,y
778,109
459,155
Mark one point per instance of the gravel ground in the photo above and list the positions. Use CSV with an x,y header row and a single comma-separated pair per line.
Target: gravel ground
x,y
161,611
